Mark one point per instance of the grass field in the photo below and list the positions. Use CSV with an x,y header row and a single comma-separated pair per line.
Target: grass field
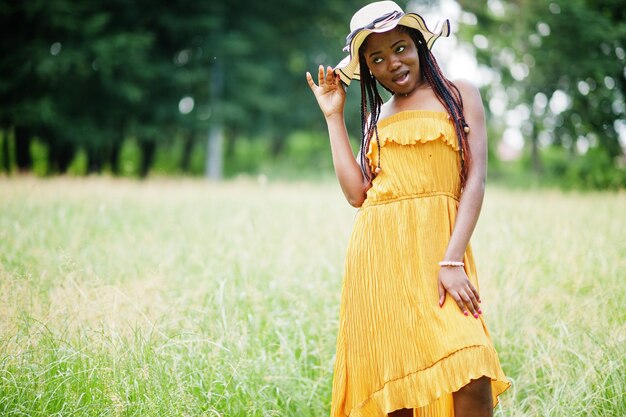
x,y
185,298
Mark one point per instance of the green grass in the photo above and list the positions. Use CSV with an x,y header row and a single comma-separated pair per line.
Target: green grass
x,y
186,298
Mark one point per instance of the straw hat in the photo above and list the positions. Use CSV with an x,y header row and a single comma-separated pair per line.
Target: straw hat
x,y
378,17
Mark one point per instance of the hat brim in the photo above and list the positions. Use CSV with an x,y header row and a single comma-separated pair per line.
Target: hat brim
x,y
348,68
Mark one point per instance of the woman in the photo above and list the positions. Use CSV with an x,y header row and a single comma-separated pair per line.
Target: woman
x,y
411,340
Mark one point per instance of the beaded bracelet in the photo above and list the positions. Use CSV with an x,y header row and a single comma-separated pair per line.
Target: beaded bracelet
x,y
451,263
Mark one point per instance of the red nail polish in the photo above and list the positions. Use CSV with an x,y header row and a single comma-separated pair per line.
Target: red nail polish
x,y
480,311
475,315
465,312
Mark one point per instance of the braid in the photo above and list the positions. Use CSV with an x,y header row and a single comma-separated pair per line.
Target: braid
x,y
447,93
369,96
363,127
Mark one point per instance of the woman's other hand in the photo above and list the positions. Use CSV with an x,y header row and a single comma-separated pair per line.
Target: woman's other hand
x,y
454,281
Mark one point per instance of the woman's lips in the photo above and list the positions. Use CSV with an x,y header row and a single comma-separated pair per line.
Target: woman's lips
x,y
401,79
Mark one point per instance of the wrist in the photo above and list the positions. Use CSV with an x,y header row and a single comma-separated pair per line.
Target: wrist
x,y
334,117
454,254
452,258
451,264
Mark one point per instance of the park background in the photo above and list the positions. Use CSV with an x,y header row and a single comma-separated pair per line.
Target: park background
x,y
217,88
172,237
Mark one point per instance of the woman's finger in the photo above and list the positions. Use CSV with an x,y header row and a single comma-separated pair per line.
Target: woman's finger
x,y
320,75
330,76
459,302
442,293
309,79
474,300
468,303
475,291
339,84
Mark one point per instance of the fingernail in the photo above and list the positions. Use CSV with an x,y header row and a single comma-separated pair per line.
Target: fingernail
x,y
475,315
480,311
465,312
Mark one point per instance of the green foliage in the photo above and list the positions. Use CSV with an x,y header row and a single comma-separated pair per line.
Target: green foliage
x,y
130,159
556,162
167,160
92,74
537,59
198,158
248,156
595,170
310,151
305,156
39,155
78,166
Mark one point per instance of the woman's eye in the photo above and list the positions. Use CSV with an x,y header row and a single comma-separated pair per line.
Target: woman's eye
x,y
400,49
377,60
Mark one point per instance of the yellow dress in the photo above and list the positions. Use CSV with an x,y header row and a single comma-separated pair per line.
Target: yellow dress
x,y
396,347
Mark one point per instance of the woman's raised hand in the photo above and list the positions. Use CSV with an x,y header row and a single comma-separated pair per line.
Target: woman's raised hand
x,y
329,92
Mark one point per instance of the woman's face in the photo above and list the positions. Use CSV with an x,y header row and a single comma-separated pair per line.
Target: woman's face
x,y
392,57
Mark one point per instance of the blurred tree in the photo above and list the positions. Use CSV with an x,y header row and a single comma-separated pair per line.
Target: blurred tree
x,y
265,48
64,79
562,63
20,104
84,76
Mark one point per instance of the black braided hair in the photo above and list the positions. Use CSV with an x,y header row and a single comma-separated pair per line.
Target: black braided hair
x,y
447,93
369,91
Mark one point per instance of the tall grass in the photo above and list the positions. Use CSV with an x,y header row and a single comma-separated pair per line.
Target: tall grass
x,y
196,299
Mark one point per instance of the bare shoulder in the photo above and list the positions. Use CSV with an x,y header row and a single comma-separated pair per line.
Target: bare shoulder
x,y
472,101
469,91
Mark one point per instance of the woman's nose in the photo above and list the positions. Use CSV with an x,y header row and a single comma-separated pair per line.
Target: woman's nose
x,y
394,64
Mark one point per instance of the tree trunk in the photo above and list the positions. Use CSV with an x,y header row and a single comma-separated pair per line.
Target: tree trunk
x,y
22,149
215,155
148,150
114,157
6,149
185,162
64,158
278,144
60,154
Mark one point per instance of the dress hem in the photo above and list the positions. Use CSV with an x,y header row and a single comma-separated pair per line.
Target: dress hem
x,y
423,387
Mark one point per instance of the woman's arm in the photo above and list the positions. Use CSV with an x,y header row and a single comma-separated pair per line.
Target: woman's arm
x,y
331,98
453,279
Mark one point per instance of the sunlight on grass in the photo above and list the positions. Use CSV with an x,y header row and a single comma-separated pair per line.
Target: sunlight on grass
x,y
190,298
